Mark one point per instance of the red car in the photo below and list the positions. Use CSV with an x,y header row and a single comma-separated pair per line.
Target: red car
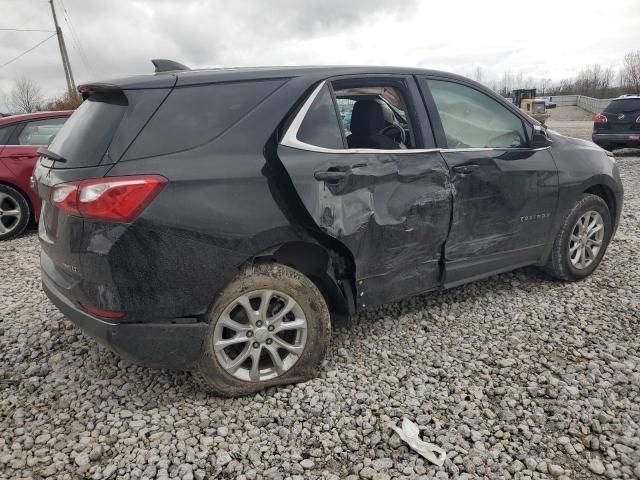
x,y
20,138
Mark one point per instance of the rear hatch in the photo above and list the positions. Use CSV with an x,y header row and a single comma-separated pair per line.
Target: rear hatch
x,y
87,146
622,117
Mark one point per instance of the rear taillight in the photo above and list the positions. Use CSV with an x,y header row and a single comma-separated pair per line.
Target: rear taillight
x,y
638,119
116,199
600,118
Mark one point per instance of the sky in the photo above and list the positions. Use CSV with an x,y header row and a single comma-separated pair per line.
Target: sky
x,y
111,38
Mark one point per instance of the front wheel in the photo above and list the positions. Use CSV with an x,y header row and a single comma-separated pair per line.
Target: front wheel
x,y
270,326
582,240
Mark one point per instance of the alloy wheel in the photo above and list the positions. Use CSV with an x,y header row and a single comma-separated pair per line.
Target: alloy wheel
x,y
586,240
10,213
260,335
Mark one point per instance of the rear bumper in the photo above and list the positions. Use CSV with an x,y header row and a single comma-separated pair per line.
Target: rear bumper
x,y
176,346
615,138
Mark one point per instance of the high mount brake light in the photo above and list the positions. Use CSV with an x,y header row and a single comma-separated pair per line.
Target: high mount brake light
x,y
115,199
600,118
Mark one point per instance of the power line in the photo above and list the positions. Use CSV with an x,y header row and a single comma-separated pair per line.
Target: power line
x,y
25,30
76,39
27,51
66,65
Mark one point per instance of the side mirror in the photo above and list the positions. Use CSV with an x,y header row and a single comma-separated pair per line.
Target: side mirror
x,y
540,138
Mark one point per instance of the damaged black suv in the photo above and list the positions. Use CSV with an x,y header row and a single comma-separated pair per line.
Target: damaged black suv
x,y
215,220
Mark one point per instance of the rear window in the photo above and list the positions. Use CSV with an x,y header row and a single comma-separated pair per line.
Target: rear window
x,y
84,138
192,116
623,105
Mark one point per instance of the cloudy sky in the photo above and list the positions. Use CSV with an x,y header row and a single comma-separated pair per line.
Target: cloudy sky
x,y
106,38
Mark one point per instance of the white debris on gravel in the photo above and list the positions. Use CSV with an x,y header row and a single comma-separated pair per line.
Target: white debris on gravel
x,y
409,432
516,376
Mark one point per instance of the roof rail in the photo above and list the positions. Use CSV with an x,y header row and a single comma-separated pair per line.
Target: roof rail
x,y
164,65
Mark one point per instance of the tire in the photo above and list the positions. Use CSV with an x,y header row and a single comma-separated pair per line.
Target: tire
x,y
214,372
14,212
560,264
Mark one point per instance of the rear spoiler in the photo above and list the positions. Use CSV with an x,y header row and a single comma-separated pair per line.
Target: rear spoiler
x,y
138,81
87,89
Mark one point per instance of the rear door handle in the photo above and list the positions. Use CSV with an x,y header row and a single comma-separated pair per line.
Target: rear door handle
x,y
330,175
466,168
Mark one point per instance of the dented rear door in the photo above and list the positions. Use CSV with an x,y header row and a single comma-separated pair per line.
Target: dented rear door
x,y
391,209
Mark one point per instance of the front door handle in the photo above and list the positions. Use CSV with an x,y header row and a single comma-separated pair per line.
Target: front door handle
x,y
466,168
330,175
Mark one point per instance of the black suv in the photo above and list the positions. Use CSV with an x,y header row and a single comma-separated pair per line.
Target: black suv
x,y
214,220
618,126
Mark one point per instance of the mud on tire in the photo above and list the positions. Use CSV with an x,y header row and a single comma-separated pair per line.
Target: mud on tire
x,y
211,376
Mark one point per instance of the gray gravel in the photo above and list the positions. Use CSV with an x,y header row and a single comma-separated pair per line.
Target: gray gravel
x,y
516,376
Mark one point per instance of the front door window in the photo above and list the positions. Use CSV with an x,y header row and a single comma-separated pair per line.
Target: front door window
x,y
471,119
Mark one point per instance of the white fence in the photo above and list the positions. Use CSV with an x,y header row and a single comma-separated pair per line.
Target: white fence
x,y
590,104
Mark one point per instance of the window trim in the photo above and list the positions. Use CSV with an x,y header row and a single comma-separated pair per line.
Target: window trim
x,y
290,138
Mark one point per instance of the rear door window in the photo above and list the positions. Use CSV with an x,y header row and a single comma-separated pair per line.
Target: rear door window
x,y
471,119
320,125
5,133
40,132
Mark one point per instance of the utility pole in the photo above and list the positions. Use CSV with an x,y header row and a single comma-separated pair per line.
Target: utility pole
x,y
71,85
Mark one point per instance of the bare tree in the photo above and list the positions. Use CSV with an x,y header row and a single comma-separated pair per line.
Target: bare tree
x,y
25,96
631,71
478,75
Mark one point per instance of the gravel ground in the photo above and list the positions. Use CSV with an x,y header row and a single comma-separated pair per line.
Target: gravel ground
x,y
516,376
572,121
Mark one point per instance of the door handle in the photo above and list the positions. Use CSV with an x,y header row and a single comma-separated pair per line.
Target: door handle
x,y
466,168
330,175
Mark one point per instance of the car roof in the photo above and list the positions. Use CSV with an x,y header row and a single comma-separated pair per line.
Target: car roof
x,y
626,97
34,116
230,74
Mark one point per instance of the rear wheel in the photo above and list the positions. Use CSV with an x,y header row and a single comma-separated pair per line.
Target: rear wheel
x,y
14,212
270,326
582,240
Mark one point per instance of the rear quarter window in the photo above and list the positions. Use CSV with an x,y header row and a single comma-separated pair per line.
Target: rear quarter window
x,y
194,115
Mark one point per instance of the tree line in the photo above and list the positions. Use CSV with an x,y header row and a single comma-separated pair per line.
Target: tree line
x,y
593,81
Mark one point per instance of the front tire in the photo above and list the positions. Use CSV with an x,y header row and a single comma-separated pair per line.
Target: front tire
x,y
269,326
14,212
582,240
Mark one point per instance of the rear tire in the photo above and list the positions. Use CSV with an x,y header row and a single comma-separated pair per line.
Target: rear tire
x,y
226,366
579,247
14,212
